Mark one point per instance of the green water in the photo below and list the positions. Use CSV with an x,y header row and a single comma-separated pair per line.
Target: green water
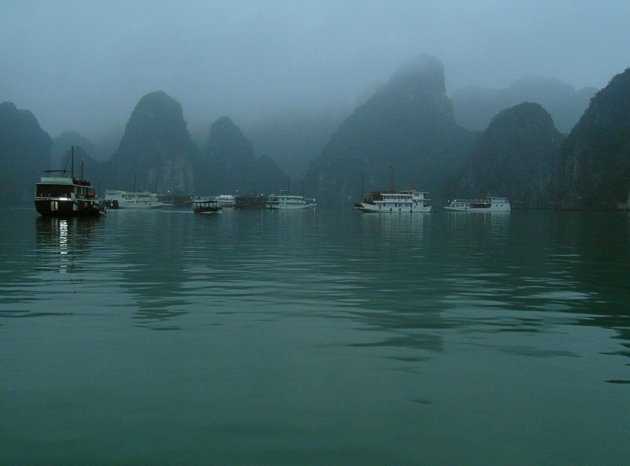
x,y
315,337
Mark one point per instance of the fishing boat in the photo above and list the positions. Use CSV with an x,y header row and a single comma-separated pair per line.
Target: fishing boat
x,y
66,195
206,206
116,199
490,204
409,201
289,202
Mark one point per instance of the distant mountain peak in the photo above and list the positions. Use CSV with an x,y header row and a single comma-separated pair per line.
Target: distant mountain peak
x,y
226,140
156,146
514,156
407,124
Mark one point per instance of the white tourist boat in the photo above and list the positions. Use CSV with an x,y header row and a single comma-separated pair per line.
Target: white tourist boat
x,y
288,201
226,200
490,204
409,201
132,200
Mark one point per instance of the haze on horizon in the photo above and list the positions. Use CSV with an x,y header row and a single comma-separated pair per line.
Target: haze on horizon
x,y
83,66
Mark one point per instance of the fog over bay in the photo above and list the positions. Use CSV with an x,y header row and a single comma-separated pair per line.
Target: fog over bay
x,y
83,66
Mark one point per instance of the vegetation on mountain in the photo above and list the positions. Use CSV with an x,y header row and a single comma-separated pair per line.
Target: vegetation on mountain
x,y
593,168
24,153
514,157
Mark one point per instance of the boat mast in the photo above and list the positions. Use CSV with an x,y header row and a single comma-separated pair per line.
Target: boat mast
x,y
72,161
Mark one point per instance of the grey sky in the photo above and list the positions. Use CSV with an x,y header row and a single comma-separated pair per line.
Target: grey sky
x,y
83,65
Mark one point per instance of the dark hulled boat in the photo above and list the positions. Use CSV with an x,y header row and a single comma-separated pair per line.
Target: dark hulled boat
x,y
206,206
251,201
65,195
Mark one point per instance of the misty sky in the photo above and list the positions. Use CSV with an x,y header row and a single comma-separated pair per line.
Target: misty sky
x,y
83,65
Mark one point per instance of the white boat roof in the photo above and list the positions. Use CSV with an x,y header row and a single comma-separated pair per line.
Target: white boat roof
x,y
56,180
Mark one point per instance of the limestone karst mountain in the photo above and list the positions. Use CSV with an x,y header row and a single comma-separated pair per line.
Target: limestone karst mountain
x,y
229,164
514,157
475,107
593,168
156,149
24,153
407,128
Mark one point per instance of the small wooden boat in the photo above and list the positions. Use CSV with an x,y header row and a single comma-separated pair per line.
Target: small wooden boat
x,y
206,206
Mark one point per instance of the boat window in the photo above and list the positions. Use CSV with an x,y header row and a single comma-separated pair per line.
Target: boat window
x,y
51,190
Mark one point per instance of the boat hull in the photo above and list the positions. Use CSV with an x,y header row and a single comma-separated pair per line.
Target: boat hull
x,y
290,207
63,208
477,209
208,211
408,209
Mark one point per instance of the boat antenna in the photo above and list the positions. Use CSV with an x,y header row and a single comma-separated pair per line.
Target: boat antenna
x,y
288,185
72,157
81,168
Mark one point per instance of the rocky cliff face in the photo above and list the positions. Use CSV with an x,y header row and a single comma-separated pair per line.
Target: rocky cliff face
x,y
514,157
594,162
24,153
407,128
229,164
156,148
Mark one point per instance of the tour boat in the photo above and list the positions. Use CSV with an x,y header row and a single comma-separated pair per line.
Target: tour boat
x,y
251,201
490,204
132,200
409,201
205,206
288,201
66,195
226,200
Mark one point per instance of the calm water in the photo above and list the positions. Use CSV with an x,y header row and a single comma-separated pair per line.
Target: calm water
x,y
315,337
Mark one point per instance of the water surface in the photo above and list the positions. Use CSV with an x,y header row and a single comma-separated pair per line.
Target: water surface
x,y
315,337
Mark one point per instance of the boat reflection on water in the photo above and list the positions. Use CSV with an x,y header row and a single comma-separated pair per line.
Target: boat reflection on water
x,y
497,224
397,224
61,240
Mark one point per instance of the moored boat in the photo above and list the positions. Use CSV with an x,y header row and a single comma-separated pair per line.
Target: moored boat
x,y
409,201
289,202
490,204
116,199
206,206
226,200
251,201
66,195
